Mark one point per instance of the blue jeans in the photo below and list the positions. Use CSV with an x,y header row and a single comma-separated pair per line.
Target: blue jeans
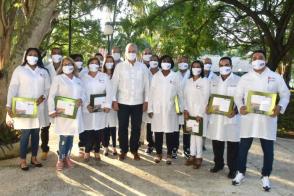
x,y
24,141
65,146
268,155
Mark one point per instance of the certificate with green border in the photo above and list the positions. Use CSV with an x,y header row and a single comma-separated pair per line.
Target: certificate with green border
x,y
220,104
193,127
96,101
66,107
177,105
261,102
24,107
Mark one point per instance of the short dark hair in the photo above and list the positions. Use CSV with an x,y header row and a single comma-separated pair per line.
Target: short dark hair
x,y
74,56
202,68
56,48
226,58
98,54
93,58
166,57
259,51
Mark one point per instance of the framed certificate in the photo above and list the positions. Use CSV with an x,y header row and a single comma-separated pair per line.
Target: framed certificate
x,y
261,102
97,101
66,107
177,105
193,127
24,107
220,104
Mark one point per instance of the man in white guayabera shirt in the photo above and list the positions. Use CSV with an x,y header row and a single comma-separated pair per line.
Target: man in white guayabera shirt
x,y
261,126
130,88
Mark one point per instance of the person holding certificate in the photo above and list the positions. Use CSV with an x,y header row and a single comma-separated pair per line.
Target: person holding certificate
x,y
97,104
65,100
258,89
223,125
130,99
165,86
196,95
29,87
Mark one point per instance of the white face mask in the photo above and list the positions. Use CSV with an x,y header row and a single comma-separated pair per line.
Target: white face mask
x,y
165,66
79,64
225,70
109,65
207,67
183,66
56,58
32,60
147,57
93,67
116,56
68,69
131,56
196,71
258,64
153,64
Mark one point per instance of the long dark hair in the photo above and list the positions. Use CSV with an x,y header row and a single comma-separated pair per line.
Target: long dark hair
x,y
39,62
202,68
104,68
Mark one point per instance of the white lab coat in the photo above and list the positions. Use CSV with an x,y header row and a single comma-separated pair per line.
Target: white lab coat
x,y
221,127
52,72
29,83
211,76
111,116
161,102
100,84
183,79
84,72
257,125
73,88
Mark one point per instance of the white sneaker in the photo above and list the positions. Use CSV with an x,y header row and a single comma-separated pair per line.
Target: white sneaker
x,y
266,185
238,179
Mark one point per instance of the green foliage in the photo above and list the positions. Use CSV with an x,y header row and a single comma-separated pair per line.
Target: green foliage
x,y
8,136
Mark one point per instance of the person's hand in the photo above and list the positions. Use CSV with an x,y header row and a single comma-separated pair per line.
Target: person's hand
x,y
145,106
106,110
150,114
9,112
10,124
198,119
90,108
243,110
276,111
40,99
54,115
79,102
207,111
231,114
115,106
186,115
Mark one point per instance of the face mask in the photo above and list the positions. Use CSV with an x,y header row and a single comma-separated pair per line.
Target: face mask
x,y
56,58
32,60
79,64
225,70
109,65
207,67
258,64
165,66
116,56
183,66
131,56
68,69
146,57
196,71
153,64
93,67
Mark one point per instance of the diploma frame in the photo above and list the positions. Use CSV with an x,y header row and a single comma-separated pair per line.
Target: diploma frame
x,y
35,112
213,110
253,109
177,105
66,99
187,130
92,101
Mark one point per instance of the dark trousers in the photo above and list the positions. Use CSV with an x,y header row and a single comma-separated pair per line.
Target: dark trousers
x,y
45,139
149,137
124,112
232,154
82,139
107,133
92,140
24,141
268,155
186,140
159,142
176,140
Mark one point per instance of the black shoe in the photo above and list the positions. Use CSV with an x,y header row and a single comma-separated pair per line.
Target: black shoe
x,y
36,164
232,174
187,154
174,154
149,150
216,169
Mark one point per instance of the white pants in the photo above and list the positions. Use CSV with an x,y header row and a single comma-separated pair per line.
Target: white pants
x,y
196,146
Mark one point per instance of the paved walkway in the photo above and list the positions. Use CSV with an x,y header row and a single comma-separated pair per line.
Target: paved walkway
x,y
112,177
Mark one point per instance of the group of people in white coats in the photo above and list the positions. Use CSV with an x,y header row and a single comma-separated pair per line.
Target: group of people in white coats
x,y
143,94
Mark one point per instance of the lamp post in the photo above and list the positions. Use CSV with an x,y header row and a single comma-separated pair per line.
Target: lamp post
x,y
108,31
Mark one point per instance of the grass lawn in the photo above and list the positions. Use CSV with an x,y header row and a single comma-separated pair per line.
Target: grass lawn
x,y
286,121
